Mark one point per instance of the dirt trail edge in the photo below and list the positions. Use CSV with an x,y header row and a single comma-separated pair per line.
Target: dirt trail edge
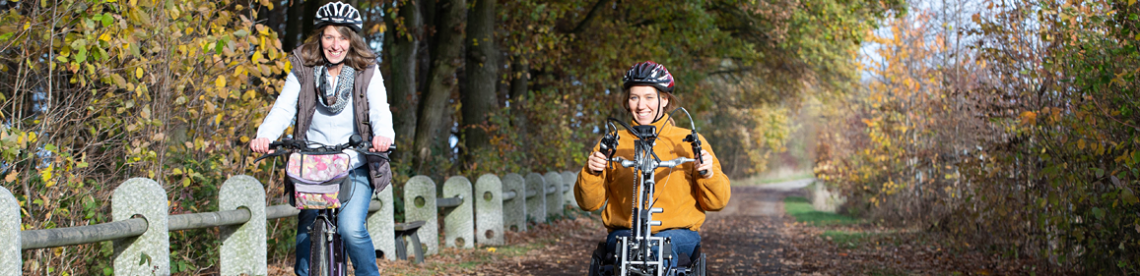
x,y
742,239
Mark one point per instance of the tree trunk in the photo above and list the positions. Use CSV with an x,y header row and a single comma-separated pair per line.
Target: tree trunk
x,y
482,77
293,26
401,81
519,83
309,15
441,80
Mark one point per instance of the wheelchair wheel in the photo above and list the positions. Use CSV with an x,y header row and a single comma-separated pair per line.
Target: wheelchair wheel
x,y
597,260
699,267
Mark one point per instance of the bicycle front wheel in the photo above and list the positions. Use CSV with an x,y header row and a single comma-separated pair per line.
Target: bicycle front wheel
x,y
320,263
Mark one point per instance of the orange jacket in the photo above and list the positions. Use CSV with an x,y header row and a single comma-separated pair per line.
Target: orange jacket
x,y
681,192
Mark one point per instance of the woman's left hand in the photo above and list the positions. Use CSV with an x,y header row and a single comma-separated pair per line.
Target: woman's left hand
x,y
706,164
380,144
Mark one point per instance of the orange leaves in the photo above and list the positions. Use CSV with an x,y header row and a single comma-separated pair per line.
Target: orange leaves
x,y
1028,118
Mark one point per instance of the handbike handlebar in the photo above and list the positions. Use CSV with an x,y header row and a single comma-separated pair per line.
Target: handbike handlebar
x,y
663,164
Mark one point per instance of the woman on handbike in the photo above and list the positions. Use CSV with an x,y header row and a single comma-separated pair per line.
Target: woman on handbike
x,y
682,192
335,91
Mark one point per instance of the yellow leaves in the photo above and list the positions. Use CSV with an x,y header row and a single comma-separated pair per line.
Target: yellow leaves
x,y
1028,118
256,57
244,139
145,112
138,73
220,82
105,37
47,176
11,177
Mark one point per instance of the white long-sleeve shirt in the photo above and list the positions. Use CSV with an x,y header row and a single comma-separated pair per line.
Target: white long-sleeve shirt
x,y
328,128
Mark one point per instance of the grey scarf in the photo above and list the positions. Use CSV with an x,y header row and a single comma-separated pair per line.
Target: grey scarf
x,y
334,100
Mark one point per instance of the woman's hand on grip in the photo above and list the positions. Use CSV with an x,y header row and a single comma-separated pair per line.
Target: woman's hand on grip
x,y
260,145
597,162
380,144
706,164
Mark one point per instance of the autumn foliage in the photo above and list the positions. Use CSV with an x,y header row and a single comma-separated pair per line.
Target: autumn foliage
x,y
1012,127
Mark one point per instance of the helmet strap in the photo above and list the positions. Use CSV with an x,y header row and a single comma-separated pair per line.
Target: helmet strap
x,y
658,111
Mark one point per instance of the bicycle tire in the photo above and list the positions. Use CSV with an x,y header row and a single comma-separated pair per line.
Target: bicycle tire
x,y
319,263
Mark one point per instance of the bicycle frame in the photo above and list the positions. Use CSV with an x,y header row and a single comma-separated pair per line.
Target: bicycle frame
x,y
334,258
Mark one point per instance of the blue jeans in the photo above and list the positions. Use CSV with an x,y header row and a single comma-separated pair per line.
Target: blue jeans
x,y
350,226
684,241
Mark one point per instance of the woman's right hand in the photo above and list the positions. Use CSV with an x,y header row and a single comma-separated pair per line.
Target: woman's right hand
x,y
597,162
260,145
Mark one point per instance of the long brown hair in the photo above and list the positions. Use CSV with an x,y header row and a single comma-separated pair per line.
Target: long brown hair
x,y
359,56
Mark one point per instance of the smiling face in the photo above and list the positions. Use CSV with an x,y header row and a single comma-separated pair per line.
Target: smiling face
x,y
334,45
644,103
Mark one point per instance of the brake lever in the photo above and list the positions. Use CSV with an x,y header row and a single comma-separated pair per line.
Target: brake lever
x,y
277,152
697,151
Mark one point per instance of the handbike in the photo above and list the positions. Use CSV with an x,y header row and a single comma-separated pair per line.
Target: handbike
x,y
641,253
327,251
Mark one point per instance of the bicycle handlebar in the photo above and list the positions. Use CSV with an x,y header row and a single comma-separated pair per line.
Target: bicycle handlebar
x,y
355,143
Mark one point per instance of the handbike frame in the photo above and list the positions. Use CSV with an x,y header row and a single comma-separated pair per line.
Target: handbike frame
x,y
634,252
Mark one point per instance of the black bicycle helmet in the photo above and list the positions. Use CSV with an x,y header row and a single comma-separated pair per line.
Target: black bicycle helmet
x,y
338,13
648,73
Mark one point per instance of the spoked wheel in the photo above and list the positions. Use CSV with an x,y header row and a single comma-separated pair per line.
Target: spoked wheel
x,y
319,262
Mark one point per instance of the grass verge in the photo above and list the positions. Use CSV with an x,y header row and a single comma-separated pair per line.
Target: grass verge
x,y
801,209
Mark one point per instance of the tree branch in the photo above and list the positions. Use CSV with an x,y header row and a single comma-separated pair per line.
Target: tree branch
x,y
589,16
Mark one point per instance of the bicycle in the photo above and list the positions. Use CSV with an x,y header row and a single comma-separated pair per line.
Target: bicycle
x,y
641,253
327,250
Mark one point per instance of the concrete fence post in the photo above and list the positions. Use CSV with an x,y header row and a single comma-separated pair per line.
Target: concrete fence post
x,y
243,249
10,260
554,200
149,253
382,225
536,197
569,178
419,204
488,210
459,222
514,209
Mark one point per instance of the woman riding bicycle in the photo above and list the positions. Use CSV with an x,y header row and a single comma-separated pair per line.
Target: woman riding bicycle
x,y
335,91
682,192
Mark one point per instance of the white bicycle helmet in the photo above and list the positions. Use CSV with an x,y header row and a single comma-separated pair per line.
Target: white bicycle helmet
x,y
338,13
